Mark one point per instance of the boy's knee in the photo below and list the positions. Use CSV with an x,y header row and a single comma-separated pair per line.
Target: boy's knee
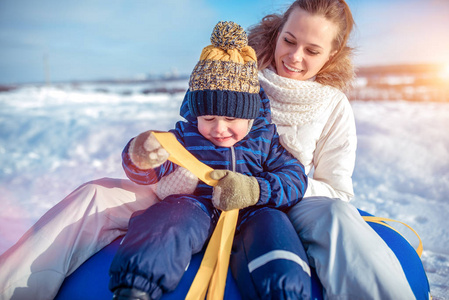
x,y
295,284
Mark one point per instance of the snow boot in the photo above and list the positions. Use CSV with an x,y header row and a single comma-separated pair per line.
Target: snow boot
x,y
130,294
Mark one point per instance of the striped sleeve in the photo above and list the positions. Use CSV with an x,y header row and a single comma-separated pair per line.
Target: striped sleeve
x,y
283,182
144,177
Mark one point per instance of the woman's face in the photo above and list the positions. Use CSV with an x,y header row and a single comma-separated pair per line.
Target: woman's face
x,y
304,45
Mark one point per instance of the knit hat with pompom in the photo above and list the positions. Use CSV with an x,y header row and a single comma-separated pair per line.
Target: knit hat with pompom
x,y
224,81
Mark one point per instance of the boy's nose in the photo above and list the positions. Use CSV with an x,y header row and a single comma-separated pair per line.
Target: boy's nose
x,y
219,126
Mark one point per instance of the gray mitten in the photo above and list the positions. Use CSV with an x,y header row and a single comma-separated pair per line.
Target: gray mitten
x,y
146,152
234,190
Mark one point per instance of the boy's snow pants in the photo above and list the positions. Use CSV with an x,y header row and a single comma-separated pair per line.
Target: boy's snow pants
x,y
267,259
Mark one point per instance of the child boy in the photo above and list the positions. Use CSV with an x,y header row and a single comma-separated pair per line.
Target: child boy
x,y
228,128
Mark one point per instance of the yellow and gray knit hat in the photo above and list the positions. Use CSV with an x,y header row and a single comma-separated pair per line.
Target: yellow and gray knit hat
x,y
224,81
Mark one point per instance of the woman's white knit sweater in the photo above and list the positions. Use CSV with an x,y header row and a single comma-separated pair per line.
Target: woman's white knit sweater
x,y
316,124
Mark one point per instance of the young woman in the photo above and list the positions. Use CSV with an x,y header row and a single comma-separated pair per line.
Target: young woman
x,y
304,65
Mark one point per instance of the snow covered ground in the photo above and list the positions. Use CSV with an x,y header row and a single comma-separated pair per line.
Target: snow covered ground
x,y
52,139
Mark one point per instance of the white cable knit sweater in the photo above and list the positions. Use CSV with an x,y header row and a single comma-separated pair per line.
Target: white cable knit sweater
x,y
316,124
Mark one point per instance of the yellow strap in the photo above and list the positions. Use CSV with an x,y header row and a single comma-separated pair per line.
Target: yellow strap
x,y
379,220
218,280
211,276
180,156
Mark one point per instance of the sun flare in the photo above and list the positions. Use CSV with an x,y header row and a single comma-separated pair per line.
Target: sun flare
x,y
445,72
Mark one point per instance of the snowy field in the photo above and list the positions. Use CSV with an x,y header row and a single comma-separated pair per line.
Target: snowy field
x,y
52,139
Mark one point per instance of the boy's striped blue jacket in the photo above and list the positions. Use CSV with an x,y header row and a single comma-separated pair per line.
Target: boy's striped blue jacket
x,y
281,177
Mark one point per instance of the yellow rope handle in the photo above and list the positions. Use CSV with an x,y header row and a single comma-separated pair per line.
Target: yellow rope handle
x,y
180,156
211,276
381,221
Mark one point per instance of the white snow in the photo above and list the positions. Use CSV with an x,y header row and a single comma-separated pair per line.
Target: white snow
x,y
53,139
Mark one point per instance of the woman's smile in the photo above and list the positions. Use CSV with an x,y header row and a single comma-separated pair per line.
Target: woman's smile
x,y
292,69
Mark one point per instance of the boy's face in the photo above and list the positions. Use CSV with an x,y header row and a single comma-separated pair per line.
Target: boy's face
x,y
223,131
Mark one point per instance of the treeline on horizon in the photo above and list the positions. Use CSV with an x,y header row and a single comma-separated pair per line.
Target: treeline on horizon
x,y
399,69
418,82
410,82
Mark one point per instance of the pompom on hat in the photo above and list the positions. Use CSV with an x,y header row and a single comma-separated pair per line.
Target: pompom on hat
x,y
224,82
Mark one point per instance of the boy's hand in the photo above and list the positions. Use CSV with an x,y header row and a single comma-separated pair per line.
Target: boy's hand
x,y
234,190
146,152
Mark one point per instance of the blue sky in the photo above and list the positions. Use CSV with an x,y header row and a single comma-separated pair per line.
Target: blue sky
x,y
112,39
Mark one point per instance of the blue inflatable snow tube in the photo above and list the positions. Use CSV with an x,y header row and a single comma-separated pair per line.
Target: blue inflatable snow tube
x,y
91,279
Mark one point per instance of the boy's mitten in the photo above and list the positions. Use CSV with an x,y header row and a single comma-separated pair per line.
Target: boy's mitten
x,y
146,152
234,190
181,181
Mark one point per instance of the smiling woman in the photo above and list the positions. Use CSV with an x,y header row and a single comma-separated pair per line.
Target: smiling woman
x,y
304,45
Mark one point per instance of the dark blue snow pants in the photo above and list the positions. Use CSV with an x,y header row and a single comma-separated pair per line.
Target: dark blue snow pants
x,y
267,259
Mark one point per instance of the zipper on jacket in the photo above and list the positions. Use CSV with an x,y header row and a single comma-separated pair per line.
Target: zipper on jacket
x,y
233,162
